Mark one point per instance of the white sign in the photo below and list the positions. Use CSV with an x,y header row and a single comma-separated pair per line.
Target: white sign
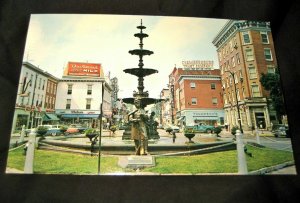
x,y
198,64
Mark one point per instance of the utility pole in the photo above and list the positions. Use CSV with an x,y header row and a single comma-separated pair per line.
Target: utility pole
x,y
32,113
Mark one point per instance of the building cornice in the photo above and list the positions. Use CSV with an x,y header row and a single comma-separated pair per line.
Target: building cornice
x,y
199,77
233,26
40,71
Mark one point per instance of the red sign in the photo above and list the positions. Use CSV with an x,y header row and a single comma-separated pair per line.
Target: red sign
x,y
84,69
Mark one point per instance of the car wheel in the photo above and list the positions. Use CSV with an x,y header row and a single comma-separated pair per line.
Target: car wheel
x,y
208,131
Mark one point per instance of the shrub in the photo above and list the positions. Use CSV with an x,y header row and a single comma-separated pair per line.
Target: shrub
x,y
188,130
113,128
217,130
41,130
169,130
234,129
63,129
90,131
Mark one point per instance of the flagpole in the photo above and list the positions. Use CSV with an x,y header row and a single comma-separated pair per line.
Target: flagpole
x,y
100,126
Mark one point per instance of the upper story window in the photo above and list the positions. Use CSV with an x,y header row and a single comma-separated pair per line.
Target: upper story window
x,y
40,82
249,55
192,85
214,101
213,86
233,61
264,37
70,89
31,78
246,38
238,58
236,80
252,72
255,91
89,89
270,69
268,54
43,85
68,104
238,94
88,103
194,101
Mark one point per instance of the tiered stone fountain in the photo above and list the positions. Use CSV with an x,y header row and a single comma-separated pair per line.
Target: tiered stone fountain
x,y
141,95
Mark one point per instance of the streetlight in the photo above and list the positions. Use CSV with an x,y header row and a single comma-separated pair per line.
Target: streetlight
x,y
237,102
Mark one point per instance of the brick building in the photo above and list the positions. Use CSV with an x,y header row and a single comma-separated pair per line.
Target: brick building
x,y
196,95
245,51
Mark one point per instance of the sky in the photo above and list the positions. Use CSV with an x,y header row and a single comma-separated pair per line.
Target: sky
x,y
55,39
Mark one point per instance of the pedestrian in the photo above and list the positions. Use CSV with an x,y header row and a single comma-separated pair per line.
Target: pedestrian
x,y
174,136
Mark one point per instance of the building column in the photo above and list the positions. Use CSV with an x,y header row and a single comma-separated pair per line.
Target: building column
x,y
267,117
248,117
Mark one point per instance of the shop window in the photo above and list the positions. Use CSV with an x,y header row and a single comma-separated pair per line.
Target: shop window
x,y
194,101
68,104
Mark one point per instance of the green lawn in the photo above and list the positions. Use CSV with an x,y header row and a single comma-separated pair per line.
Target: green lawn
x,y
220,162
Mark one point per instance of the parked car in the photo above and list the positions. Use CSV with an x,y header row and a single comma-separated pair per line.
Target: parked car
x,y
160,126
280,130
204,128
52,130
170,128
75,128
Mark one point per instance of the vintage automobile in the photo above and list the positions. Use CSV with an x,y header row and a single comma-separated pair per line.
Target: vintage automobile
x,y
203,128
53,130
75,128
280,130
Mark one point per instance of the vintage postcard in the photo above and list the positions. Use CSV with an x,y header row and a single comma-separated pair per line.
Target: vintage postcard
x,y
149,95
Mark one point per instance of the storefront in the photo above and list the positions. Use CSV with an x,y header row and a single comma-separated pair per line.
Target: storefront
x,y
210,117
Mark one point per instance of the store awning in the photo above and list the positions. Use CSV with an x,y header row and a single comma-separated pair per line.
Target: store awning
x,y
80,115
50,117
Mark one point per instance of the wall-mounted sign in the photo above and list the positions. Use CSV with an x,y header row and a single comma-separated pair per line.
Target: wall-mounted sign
x,y
83,69
198,64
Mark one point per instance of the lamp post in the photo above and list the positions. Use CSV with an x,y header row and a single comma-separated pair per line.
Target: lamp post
x,y
237,102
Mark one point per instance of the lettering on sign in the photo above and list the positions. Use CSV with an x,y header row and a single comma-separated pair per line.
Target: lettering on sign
x,y
205,114
198,64
140,160
83,69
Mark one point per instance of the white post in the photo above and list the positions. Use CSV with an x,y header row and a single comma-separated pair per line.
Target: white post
x,y
28,167
257,135
22,134
242,164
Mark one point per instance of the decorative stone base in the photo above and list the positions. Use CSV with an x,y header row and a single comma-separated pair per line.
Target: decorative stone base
x,y
136,162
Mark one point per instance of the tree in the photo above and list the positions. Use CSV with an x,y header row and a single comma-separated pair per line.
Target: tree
x,y
271,82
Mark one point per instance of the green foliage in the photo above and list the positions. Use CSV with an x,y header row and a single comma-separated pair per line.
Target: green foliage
x,y
113,128
90,131
63,128
41,130
234,129
271,82
217,130
169,130
189,130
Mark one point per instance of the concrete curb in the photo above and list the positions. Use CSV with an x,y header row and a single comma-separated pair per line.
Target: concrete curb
x,y
263,171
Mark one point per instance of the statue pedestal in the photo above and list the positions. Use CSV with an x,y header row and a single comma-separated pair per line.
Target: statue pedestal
x,y
136,162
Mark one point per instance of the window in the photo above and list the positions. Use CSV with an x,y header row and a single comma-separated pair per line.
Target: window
x,y
88,103
214,101
271,69
230,45
255,91
31,78
252,72
68,105
54,88
249,55
220,55
40,82
238,94
43,85
194,101
238,58
233,99
192,85
246,37
70,89
264,37
268,54
243,92
233,61
213,86
89,89
236,80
